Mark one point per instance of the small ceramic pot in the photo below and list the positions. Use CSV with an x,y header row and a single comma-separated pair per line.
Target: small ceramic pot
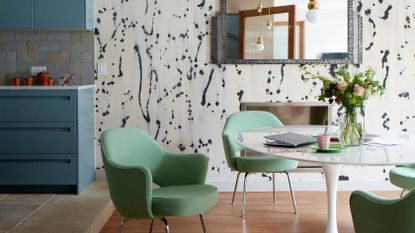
x,y
50,82
16,81
29,81
43,78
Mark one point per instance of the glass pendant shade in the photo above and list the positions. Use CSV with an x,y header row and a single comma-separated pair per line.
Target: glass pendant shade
x,y
260,44
313,15
269,24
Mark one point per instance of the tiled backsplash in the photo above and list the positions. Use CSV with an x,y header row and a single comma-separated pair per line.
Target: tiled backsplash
x,y
62,52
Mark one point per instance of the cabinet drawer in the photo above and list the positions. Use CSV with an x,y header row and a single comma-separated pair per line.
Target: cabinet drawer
x,y
38,169
38,138
38,105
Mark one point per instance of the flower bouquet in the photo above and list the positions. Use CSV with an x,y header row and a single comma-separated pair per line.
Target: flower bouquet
x,y
350,91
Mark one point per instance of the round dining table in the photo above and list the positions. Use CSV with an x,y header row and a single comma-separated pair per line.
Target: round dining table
x,y
385,150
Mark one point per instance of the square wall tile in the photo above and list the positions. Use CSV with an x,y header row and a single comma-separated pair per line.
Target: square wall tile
x,y
21,67
21,57
75,36
11,46
10,57
64,36
11,68
21,36
21,46
48,46
10,36
32,36
32,57
2,57
49,36
31,46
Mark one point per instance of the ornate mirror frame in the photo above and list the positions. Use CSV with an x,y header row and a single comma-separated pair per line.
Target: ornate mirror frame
x,y
355,45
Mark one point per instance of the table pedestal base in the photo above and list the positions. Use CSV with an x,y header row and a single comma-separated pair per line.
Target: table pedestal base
x,y
331,173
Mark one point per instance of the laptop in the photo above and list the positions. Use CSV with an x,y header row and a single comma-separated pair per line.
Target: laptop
x,y
290,139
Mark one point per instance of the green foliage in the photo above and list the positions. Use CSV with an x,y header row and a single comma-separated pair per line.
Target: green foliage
x,y
349,90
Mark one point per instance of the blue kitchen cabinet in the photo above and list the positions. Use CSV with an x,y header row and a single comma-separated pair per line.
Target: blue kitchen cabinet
x,y
64,14
16,14
47,140
46,14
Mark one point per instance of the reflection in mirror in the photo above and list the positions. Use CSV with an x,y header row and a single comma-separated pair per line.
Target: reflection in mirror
x,y
268,29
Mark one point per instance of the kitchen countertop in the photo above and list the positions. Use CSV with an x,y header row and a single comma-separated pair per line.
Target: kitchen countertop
x,y
13,88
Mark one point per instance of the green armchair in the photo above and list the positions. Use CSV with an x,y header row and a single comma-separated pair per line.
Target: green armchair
x,y
403,177
134,161
257,163
374,214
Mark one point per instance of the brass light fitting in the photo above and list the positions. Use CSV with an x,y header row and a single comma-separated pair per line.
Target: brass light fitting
x,y
259,6
313,4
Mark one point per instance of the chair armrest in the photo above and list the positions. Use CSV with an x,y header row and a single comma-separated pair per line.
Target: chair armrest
x,y
373,198
181,169
374,214
131,190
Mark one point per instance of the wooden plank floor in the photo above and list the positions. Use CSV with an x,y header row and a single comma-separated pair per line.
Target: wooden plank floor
x,y
262,215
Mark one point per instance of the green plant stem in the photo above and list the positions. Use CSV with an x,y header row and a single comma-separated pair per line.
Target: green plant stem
x,y
352,132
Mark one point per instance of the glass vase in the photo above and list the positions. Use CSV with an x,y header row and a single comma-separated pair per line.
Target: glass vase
x,y
352,126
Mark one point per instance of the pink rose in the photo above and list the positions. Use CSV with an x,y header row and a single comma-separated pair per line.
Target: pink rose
x,y
342,85
358,90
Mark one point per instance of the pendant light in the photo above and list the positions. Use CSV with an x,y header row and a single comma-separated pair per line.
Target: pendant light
x,y
260,44
269,21
312,14
260,40
259,6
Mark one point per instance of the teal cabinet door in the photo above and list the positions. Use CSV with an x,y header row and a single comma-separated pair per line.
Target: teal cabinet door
x,y
60,14
16,14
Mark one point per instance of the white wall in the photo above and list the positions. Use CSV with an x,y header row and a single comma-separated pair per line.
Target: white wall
x,y
185,99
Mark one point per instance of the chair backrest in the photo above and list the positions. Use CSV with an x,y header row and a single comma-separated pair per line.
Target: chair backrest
x,y
372,214
241,121
130,157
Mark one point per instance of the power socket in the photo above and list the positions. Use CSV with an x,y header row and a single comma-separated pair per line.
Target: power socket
x,y
34,70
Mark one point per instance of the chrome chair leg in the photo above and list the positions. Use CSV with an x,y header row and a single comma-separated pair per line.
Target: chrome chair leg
x,y
292,193
273,188
403,193
236,186
123,221
244,196
166,225
151,226
203,223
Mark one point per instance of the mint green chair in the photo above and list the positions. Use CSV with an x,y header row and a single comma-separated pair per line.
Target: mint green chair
x,y
257,163
403,177
374,214
133,161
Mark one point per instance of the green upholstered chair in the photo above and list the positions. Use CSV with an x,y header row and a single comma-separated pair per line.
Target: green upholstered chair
x,y
255,163
134,161
374,214
403,177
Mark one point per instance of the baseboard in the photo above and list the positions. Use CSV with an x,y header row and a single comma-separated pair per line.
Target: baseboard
x,y
102,218
317,186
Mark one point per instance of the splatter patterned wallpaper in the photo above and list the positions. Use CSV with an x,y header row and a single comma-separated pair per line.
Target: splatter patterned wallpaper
x,y
160,77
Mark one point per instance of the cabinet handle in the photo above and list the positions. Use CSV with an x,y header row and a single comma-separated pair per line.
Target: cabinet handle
x,y
36,98
66,129
68,161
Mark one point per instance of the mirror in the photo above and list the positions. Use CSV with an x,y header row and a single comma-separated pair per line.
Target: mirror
x,y
278,31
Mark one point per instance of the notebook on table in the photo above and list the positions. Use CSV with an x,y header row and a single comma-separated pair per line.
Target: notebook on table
x,y
290,140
